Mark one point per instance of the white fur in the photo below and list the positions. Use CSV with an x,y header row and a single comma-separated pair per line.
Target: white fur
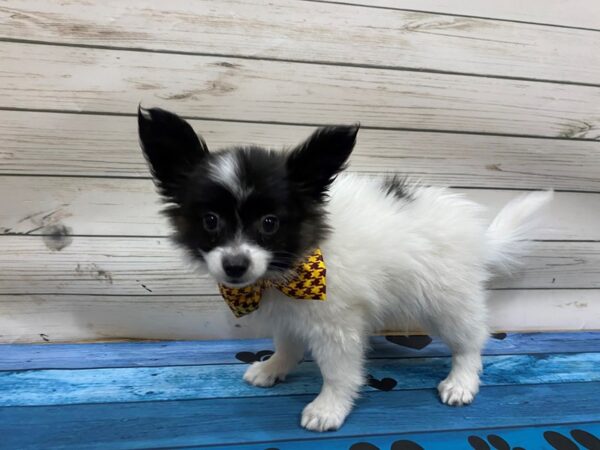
x,y
225,170
259,261
392,264
513,225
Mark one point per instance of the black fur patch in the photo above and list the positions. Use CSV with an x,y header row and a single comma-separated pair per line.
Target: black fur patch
x,y
291,186
263,175
398,187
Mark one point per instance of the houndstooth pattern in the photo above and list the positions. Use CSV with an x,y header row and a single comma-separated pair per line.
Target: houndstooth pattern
x,y
309,284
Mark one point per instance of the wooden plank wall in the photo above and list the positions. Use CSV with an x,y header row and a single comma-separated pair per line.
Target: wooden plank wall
x,y
491,98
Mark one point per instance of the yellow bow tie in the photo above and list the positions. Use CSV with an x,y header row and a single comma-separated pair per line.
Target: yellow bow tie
x,y
308,284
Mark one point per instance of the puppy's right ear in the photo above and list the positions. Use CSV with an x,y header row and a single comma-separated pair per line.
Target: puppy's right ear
x,y
170,146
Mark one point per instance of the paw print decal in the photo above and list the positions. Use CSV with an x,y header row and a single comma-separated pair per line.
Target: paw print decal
x,y
250,357
578,440
417,342
494,440
562,442
385,384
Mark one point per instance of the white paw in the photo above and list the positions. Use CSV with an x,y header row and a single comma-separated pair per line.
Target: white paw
x,y
322,415
264,373
457,394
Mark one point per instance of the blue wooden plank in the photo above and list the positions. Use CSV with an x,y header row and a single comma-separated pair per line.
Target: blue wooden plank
x,y
250,420
149,354
53,387
587,435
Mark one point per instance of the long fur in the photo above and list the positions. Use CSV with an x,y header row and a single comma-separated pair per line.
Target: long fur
x,y
507,235
398,255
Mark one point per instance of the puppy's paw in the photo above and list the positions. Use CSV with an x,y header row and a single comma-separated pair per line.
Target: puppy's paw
x,y
454,393
324,415
265,373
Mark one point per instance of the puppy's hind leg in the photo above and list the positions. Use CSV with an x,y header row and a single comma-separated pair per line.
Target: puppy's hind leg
x,y
463,327
289,351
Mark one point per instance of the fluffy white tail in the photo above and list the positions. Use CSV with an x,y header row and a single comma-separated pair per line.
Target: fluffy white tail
x,y
507,235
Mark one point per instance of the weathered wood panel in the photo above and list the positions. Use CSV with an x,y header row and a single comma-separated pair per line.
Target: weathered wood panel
x,y
197,352
528,437
196,423
95,145
151,266
81,79
571,13
147,384
515,393
313,31
63,318
130,207
58,288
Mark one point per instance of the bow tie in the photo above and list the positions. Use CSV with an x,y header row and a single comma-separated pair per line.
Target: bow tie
x,y
307,284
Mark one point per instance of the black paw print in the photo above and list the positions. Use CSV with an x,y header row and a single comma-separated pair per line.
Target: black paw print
x,y
398,445
385,384
494,440
406,445
415,342
249,357
562,442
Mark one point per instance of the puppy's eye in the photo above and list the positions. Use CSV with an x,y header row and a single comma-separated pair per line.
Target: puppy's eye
x,y
210,222
269,224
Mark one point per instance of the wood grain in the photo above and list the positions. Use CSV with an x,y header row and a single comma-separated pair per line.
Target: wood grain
x,y
81,79
147,384
571,13
195,353
309,31
74,318
529,437
442,97
93,206
205,422
94,145
151,266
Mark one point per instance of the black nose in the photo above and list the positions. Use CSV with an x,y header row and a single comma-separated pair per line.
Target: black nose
x,y
235,265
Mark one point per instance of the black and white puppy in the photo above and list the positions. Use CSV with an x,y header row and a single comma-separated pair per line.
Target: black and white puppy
x,y
396,255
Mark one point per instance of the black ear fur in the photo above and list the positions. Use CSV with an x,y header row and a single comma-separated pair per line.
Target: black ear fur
x,y
314,164
171,147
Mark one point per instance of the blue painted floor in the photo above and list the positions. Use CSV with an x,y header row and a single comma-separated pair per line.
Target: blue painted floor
x,y
540,391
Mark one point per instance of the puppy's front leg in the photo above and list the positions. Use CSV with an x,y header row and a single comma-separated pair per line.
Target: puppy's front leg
x,y
340,357
289,352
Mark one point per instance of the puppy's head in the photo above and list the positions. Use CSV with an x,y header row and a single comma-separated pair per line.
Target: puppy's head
x,y
246,212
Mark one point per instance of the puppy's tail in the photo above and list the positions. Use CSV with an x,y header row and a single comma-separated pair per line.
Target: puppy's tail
x,y
507,235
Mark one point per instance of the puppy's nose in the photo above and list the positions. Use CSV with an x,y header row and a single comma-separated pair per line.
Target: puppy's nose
x,y
235,265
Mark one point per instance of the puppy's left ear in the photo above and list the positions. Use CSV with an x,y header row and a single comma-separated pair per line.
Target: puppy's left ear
x,y
314,164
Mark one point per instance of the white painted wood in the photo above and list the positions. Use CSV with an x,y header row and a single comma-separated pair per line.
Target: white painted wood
x,y
151,266
81,79
43,318
130,207
57,170
48,318
545,310
313,31
571,13
92,145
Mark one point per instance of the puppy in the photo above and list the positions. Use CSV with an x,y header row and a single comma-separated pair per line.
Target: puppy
x,y
394,254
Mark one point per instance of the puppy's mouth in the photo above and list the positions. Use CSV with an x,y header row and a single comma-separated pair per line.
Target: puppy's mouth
x,y
238,282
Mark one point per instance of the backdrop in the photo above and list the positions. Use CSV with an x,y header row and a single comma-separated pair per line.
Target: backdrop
x,y
490,98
